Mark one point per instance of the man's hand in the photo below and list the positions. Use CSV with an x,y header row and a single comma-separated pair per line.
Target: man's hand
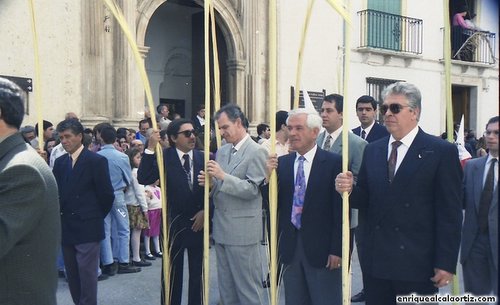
x,y
333,262
154,139
271,163
344,182
441,278
198,219
42,153
214,170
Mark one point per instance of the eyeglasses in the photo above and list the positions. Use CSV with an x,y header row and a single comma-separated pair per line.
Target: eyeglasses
x,y
394,108
188,133
489,132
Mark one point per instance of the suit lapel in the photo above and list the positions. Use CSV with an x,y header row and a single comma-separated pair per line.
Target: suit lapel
x,y
477,176
315,177
417,153
337,145
238,156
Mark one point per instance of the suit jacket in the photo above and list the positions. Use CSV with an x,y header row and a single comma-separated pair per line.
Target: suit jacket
x,y
29,225
356,148
86,196
377,132
183,203
237,199
473,186
413,224
321,218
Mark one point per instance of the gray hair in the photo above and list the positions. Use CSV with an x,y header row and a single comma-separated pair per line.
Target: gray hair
x,y
410,91
313,119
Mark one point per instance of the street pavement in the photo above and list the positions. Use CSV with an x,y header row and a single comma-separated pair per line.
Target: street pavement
x,y
143,288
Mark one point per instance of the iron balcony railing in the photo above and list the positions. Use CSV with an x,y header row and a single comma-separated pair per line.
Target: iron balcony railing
x,y
390,32
472,45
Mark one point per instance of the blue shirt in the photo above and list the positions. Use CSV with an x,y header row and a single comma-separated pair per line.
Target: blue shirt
x,y
120,171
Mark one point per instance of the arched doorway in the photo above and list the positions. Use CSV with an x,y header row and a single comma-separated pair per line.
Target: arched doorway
x,y
172,32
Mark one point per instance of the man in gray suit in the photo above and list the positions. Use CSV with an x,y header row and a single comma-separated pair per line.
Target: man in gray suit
x,y
331,140
29,211
236,175
479,251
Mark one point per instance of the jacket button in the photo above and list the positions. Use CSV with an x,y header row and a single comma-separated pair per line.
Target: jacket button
x,y
407,205
402,247
377,227
396,229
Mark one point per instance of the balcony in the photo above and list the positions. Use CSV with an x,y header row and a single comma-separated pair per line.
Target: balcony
x,y
472,45
391,32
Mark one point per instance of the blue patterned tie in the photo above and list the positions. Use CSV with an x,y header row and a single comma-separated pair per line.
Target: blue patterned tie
x,y
299,194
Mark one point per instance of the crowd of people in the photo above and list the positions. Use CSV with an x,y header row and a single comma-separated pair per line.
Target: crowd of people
x,y
95,193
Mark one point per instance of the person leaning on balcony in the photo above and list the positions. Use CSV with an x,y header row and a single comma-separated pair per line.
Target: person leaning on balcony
x,y
459,19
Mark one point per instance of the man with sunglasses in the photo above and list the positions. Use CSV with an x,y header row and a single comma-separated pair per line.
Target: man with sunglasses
x,y
182,165
479,249
410,187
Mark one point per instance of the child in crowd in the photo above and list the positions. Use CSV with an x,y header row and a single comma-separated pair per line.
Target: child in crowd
x,y
137,209
153,198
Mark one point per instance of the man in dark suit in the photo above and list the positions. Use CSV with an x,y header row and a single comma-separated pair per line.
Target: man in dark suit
x,y
309,215
479,255
86,196
410,187
182,165
29,211
370,131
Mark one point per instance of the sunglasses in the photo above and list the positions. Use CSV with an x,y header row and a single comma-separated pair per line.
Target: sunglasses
x,y
188,133
394,108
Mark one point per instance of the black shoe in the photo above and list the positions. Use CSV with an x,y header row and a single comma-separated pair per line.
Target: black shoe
x,y
141,263
102,277
110,269
360,297
158,254
61,274
149,257
127,268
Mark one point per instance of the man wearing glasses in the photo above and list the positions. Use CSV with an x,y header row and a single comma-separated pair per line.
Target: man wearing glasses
x,y
185,213
409,185
479,255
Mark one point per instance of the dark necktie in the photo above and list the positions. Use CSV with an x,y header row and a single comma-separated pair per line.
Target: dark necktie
x,y
486,197
363,134
299,194
393,159
328,143
187,169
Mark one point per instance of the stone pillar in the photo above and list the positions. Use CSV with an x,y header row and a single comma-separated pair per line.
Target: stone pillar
x,y
236,82
254,14
95,105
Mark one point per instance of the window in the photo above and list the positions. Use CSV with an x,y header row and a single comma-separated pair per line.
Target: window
x,y
375,87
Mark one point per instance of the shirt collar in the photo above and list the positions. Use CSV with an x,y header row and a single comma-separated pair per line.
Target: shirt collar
x,y
74,156
406,140
181,154
309,156
240,143
367,129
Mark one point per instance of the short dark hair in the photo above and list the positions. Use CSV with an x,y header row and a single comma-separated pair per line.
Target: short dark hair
x,y
174,127
100,126
145,121
72,125
108,135
337,99
12,99
281,117
262,128
233,113
46,124
365,99
163,133
492,120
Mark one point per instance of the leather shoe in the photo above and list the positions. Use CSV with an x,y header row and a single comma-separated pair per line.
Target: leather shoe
x,y
360,297
149,257
102,277
127,268
158,254
110,269
141,263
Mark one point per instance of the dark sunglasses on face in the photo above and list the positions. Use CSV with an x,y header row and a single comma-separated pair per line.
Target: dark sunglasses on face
x,y
394,108
188,133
